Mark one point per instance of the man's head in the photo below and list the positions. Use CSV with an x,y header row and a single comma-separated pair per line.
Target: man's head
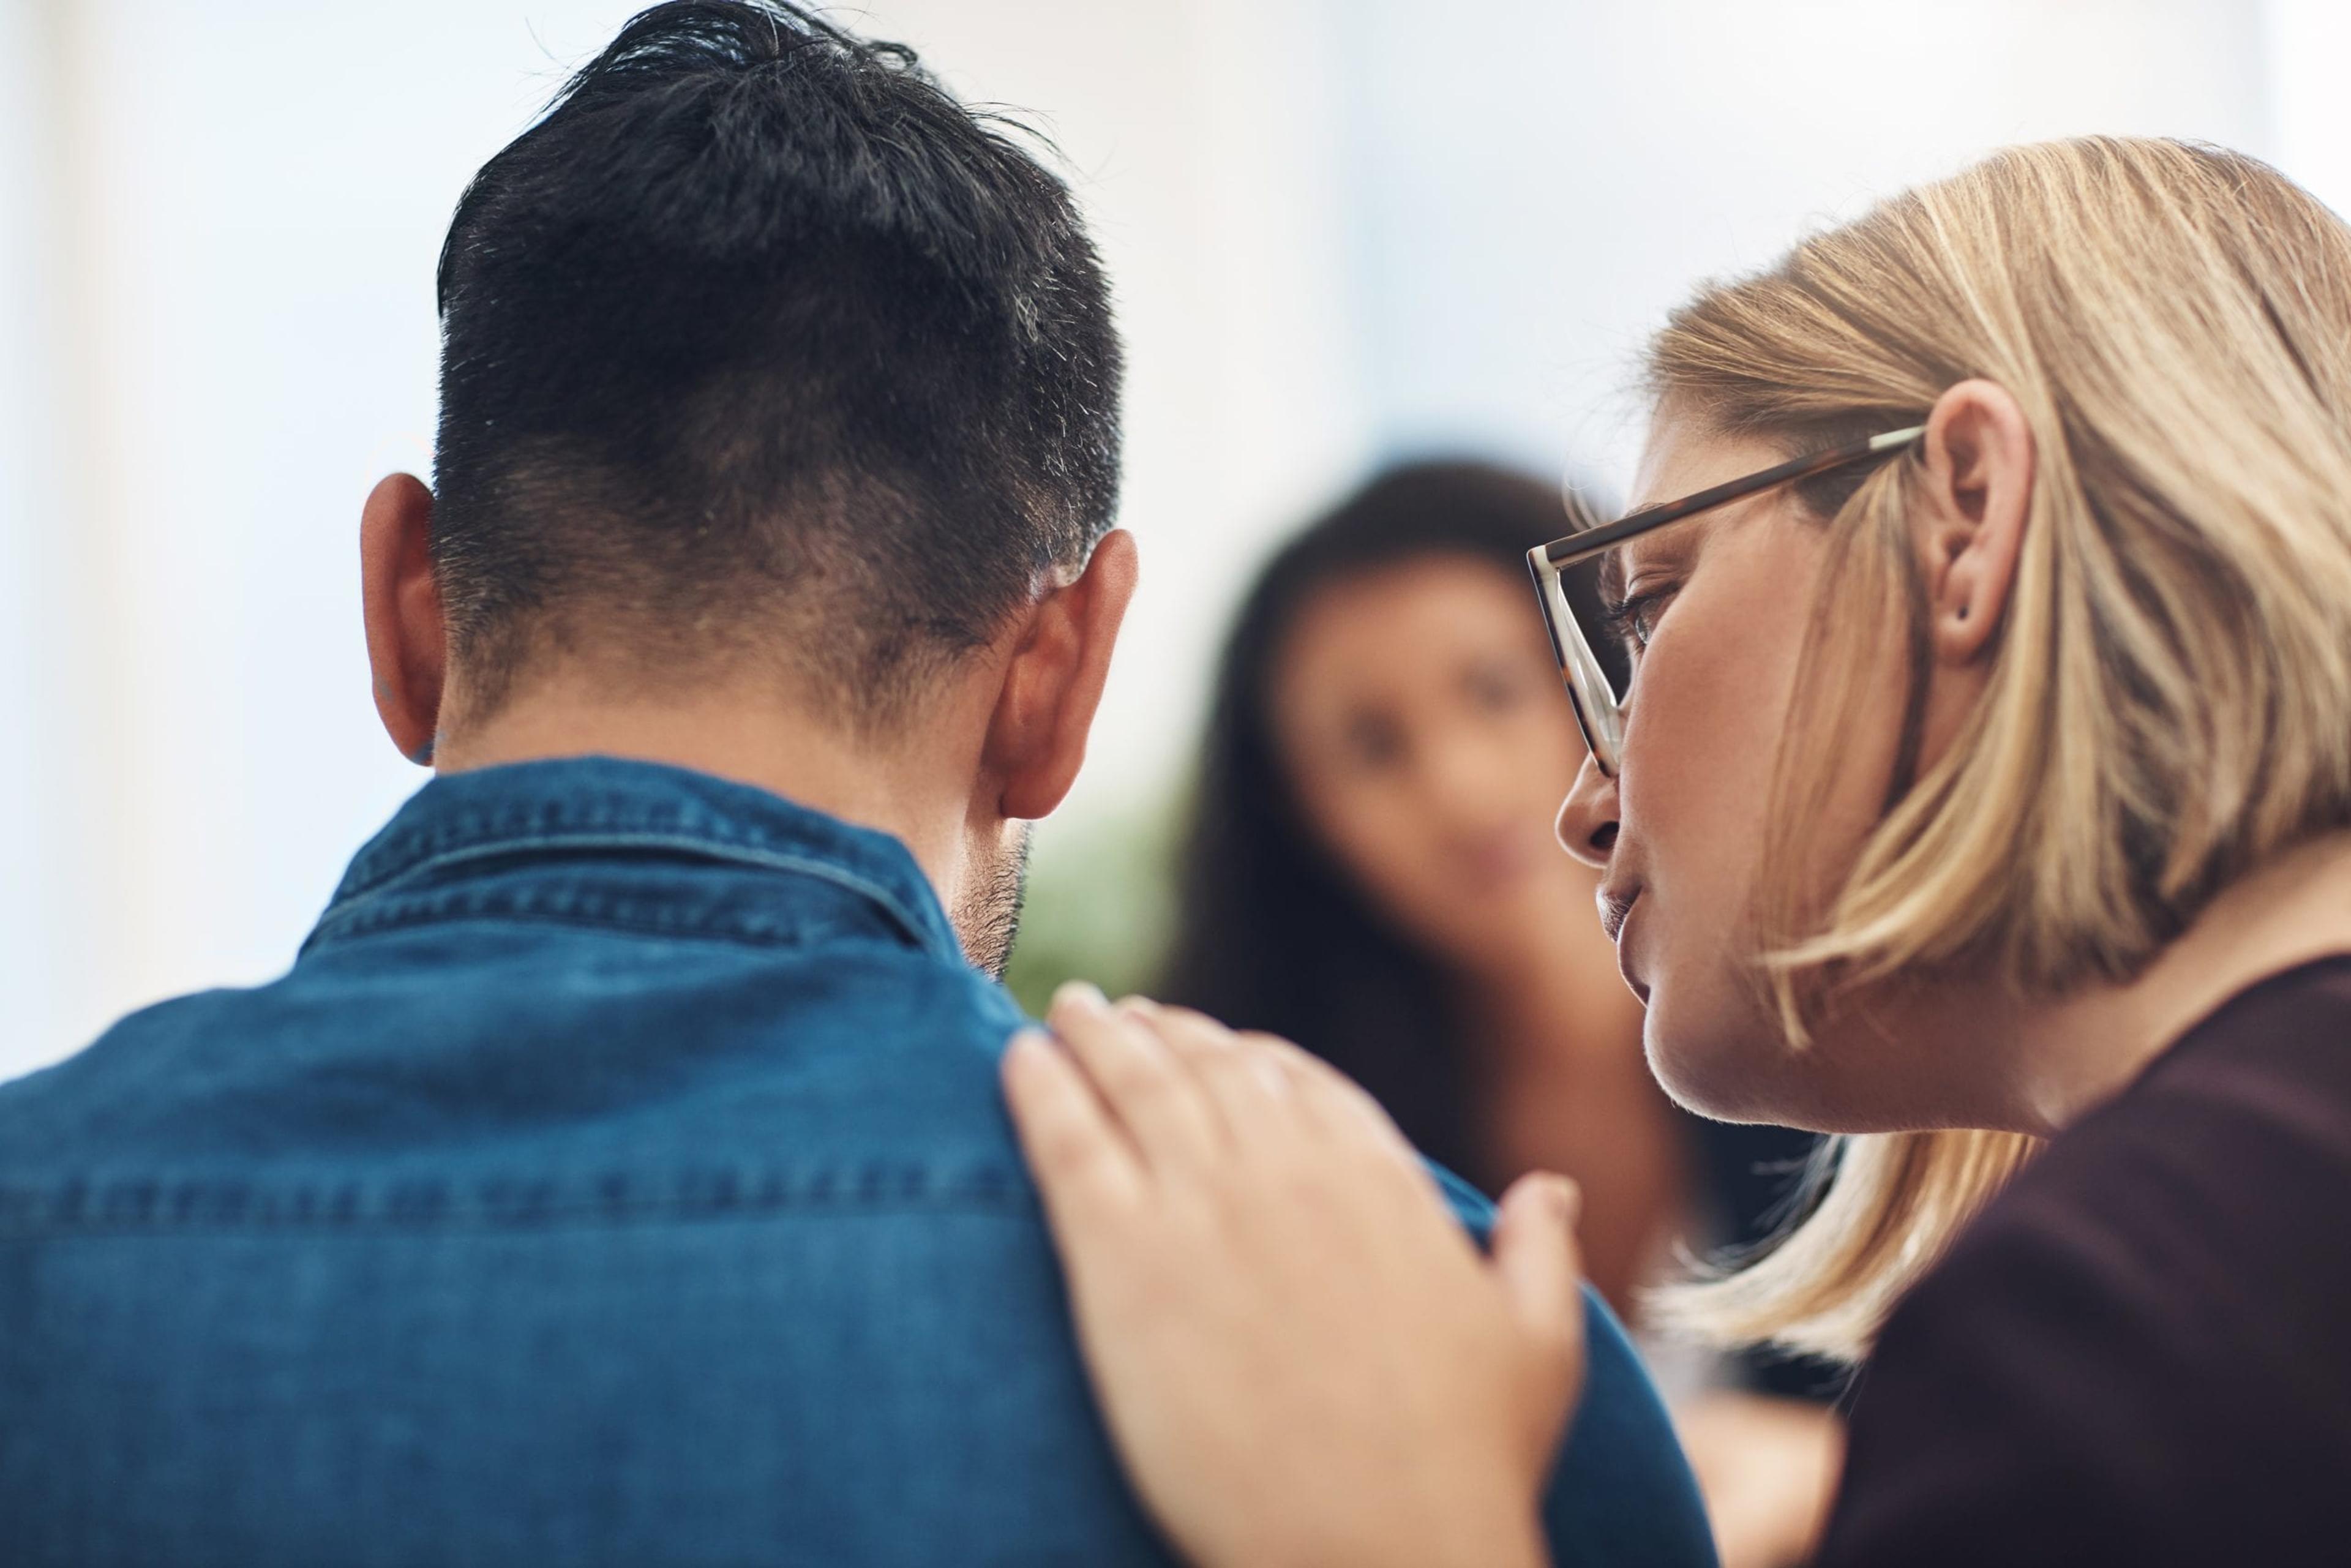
x,y
767,370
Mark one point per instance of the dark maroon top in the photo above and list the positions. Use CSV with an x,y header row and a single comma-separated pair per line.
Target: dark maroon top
x,y
2141,1353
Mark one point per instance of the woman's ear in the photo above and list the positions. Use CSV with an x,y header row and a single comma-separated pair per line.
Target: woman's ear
x,y
408,646
1969,524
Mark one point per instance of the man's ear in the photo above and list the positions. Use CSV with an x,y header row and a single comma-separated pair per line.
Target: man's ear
x,y
1053,682
408,646
1969,525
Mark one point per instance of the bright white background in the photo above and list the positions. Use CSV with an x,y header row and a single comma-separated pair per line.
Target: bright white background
x,y
1341,231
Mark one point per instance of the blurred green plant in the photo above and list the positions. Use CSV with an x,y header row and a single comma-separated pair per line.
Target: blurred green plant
x,y
1100,906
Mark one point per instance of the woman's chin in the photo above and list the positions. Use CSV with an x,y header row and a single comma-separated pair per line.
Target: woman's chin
x,y
1729,1071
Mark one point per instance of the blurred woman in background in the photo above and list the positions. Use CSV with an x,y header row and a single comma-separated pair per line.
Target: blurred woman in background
x,y
1370,872
1370,869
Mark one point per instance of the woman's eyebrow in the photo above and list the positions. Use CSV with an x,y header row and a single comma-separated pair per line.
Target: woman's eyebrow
x,y
1676,545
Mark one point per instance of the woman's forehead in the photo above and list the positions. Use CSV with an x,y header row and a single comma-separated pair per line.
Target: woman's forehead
x,y
1684,456
1351,630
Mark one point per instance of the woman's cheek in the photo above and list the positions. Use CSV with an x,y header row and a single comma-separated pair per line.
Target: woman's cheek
x,y
1379,844
1689,813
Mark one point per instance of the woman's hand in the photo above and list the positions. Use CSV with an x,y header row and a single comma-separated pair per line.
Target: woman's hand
x,y
1301,1355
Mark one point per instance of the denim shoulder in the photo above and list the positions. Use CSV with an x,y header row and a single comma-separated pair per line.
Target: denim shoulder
x,y
1622,1494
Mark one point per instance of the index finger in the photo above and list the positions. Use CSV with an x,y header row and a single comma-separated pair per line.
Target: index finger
x,y
1085,1167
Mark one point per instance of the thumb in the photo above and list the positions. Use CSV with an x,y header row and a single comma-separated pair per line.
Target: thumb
x,y
1536,1255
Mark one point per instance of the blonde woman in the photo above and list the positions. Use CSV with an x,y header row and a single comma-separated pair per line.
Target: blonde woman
x,y
1984,782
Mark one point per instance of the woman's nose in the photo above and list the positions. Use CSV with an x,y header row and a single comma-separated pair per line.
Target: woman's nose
x,y
1587,817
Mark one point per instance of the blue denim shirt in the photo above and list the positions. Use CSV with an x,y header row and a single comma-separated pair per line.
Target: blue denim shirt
x,y
619,1176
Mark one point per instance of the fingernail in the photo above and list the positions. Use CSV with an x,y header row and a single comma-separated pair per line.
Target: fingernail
x,y
1568,1198
1083,995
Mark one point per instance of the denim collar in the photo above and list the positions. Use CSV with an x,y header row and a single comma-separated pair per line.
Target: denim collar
x,y
580,807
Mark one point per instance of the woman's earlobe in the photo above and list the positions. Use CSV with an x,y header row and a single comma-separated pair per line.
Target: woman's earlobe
x,y
1976,502
1962,631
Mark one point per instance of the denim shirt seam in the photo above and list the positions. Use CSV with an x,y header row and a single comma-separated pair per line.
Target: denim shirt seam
x,y
161,1204
454,906
346,916
529,819
554,819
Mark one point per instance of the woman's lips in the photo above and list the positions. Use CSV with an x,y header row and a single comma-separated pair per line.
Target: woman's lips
x,y
1615,917
1615,907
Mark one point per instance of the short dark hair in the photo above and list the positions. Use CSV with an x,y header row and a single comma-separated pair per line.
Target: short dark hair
x,y
759,327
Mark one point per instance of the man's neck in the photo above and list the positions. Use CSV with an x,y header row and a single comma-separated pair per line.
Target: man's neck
x,y
757,739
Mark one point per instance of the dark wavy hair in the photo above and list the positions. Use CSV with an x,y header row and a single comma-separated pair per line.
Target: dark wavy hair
x,y
1272,932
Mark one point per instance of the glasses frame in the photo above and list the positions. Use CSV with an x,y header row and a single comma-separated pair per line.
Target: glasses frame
x,y
1599,712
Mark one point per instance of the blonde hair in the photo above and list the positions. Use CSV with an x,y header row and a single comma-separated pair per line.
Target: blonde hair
x,y
2169,699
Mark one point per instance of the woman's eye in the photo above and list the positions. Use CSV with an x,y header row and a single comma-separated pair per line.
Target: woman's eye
x,y
1494,689
1635,621
1373,744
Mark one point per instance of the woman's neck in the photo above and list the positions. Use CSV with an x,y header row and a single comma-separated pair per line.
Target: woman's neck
x,y
2076,1053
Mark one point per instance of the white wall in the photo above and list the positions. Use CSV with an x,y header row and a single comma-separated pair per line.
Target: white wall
x,y
234,267
1540,180
1338,228
2307,52
38,755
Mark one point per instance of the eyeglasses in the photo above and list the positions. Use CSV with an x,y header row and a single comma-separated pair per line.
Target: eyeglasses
x,y
1598,697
